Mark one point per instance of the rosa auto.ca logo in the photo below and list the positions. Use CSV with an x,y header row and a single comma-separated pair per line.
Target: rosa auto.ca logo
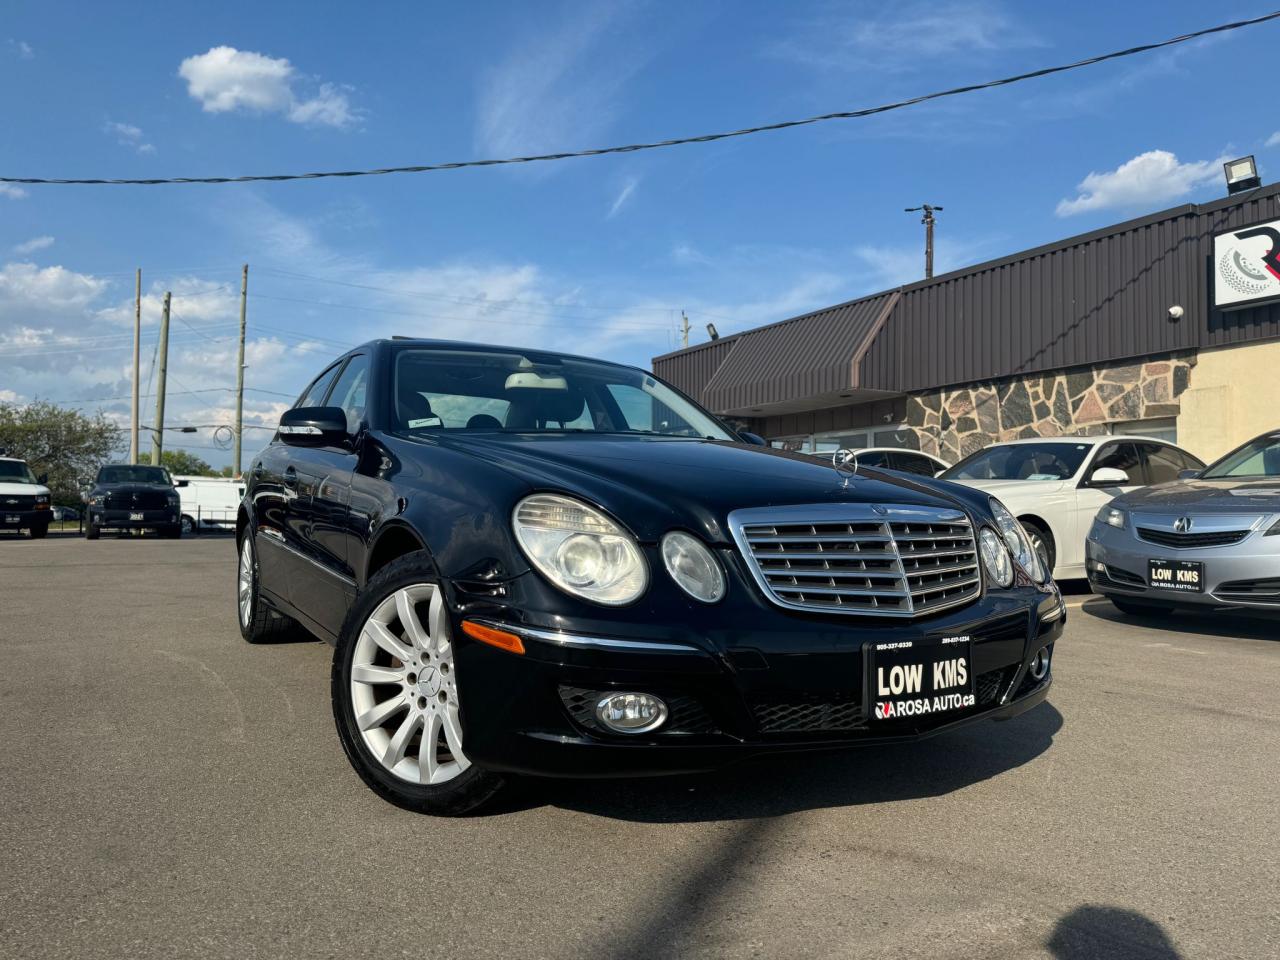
x,y
1250,267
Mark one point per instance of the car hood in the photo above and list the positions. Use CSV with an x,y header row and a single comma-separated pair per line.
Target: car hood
x,y
1017,491
653,484
23,490
1206,496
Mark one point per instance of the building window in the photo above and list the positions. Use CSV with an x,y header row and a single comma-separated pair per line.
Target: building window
x,y
1163,428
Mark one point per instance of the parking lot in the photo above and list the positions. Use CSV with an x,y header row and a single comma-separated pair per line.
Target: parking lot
x,y
169,790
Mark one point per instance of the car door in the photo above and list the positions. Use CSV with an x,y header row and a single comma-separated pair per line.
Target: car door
x,y
321,576
272,489
1091,497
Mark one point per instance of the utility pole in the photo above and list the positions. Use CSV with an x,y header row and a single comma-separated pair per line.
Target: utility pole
x,y
928,222
244,293
684,329
137,337
157,445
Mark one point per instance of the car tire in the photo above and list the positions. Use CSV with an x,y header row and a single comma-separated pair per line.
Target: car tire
x,y
40,532
1042,543
258,622
188,525
92,531
1140,608
394,692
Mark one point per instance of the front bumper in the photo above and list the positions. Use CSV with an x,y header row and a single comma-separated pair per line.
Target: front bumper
x,y
133,519
1245,575
24,519
767,684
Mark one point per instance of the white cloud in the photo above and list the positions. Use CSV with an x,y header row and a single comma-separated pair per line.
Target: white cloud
x,y
47,288
904,36
226,80
1149,179
11,191
556,89
1274,139
623,196
20,49
687,255
34,244
128,135
8,396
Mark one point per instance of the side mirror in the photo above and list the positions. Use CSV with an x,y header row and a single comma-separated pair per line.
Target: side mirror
x,y
753,438
1108,477
1189,474
314,426
182,483
43,479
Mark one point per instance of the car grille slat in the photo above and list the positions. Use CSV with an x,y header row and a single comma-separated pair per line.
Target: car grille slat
x,y
891,561
1190,541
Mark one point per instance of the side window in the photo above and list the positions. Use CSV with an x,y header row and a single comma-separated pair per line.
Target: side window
x,y
914,463
877,459
1188,461
1164,463
349,392
313,396
1120,456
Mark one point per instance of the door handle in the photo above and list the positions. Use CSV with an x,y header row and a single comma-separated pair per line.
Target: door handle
x,y
291,478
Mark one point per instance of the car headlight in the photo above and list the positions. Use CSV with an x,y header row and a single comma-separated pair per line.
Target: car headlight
x,y
579,549
1111,515
1019,543
995,557
692,566
96,500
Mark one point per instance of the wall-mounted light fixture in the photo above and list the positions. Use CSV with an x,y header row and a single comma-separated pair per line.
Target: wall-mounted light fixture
x,y
1241,175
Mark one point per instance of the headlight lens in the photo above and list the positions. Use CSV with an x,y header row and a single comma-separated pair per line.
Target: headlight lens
x,y
96,499
1019,543
995,557
579,549
692,566
1112,515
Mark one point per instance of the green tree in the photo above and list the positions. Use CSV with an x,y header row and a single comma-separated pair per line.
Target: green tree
x,y
180,462
63,442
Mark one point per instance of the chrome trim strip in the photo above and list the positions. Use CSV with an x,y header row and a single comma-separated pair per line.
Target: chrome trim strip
x,y
578,641
274,536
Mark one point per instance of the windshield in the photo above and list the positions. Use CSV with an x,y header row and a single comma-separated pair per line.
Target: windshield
x,y
15,471
134,474
1257,458
1021,461
482,391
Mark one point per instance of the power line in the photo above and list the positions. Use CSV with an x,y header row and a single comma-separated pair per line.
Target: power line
x,y
677,141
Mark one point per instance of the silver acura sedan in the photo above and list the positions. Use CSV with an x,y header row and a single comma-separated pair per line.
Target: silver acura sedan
x,y
1210,539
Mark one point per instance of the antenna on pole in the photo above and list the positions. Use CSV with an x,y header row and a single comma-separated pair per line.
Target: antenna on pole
x,y
928,221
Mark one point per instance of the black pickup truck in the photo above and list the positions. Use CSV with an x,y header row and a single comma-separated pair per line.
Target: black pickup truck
x,y
133,497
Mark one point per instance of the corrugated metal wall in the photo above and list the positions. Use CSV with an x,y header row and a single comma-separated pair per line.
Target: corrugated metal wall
x,y
1093,299
691,370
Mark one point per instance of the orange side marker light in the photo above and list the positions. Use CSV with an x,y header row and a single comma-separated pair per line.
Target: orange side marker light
x,y
495,638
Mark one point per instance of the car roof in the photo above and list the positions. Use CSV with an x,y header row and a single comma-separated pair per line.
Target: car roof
x,y
893,450
430,344
1092,441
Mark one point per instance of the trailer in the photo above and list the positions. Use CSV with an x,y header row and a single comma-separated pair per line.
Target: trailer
x,y
209,502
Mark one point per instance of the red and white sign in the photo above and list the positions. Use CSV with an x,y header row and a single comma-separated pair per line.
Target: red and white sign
x,y
1246,266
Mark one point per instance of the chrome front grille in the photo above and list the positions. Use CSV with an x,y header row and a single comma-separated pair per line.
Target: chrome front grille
x,y
890,561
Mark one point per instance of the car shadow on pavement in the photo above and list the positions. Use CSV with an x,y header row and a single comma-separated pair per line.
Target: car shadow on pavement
x,y
788,783
1109,933
1218,623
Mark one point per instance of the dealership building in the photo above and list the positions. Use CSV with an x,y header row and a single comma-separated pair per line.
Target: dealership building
x,y
1167,325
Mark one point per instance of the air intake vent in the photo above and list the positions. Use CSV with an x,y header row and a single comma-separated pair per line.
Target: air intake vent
x,y
891,561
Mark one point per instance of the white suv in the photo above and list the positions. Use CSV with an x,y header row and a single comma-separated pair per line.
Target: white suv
x,y
24,500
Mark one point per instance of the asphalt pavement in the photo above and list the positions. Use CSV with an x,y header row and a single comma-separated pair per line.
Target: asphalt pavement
x,y
167,790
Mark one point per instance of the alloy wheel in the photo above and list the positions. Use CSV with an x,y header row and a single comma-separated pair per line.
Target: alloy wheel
x,y
404,688
246,581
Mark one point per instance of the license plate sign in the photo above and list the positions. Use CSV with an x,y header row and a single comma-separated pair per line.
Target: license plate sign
x,y
919,678
12,518
1176,576
136,516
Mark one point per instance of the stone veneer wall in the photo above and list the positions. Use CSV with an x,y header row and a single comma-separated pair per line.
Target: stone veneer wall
x,y
955,422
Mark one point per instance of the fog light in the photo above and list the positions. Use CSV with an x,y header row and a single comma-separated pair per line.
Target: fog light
x,y
1039,668
631,712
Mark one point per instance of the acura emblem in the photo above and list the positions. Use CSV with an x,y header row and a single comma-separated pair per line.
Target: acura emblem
x,y
1182,525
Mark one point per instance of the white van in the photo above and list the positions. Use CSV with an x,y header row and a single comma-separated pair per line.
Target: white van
x,y
209,502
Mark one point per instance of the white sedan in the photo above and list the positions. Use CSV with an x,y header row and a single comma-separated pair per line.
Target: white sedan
x,y
1056,486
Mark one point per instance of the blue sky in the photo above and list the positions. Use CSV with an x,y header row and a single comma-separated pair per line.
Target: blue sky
x,y
596,255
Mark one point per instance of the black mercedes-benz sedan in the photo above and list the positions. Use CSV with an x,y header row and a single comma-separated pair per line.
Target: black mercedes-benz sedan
x,y
532,563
